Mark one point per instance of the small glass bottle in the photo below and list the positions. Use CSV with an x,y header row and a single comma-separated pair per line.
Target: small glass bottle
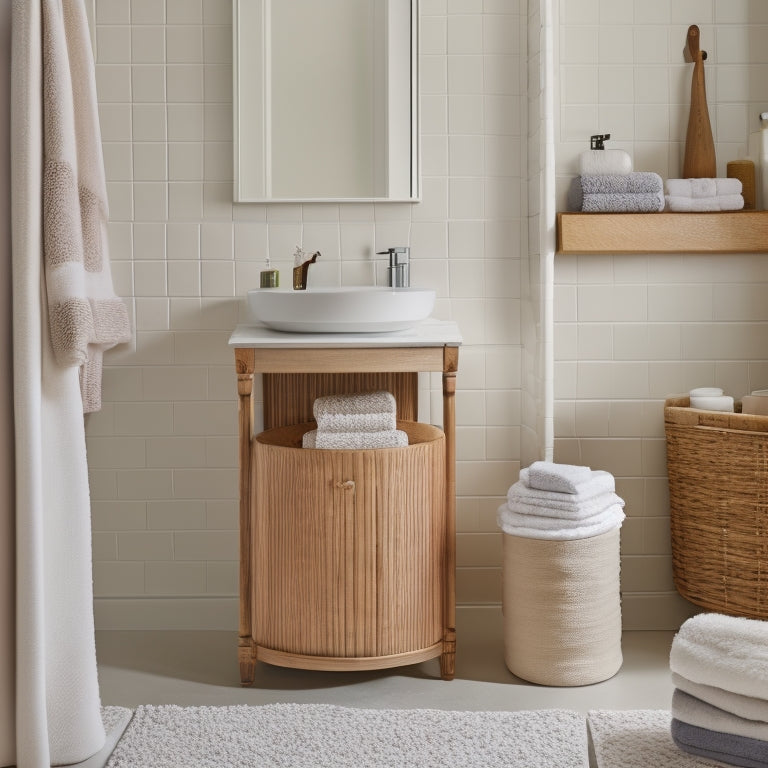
x,y
269,277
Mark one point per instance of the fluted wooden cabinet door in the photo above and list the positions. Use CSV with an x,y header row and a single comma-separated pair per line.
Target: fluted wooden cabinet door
x,y
348,550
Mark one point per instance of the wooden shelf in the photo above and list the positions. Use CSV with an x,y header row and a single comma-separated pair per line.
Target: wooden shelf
x,y
609,233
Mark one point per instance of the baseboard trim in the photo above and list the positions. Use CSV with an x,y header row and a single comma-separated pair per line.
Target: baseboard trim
x,y
166,613
666,611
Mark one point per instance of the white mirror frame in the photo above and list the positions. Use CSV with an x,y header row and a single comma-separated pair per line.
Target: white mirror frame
x,y
249,121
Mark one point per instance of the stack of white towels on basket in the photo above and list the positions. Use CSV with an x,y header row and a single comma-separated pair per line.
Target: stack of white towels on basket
x,y
562,502
719,667
355,421
685,195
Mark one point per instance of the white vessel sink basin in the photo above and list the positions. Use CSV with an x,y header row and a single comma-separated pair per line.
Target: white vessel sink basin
x,y
358,309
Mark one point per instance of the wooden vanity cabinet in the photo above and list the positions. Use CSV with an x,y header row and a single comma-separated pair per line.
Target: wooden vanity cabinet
x,y
347,557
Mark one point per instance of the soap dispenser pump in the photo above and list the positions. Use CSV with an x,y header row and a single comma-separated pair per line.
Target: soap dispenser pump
x,y
269,277
597,160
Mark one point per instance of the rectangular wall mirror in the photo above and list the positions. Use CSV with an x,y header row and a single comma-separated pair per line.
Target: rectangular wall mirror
x,y
325,100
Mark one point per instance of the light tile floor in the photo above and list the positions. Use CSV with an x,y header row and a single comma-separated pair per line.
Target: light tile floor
x,y
200,668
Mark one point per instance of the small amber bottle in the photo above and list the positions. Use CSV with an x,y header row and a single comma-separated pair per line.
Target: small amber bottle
x,y
744,170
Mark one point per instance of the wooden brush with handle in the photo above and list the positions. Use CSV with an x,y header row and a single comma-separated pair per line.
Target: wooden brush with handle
x,y
699,161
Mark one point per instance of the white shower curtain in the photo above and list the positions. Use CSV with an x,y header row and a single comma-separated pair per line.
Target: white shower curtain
x,y
7,511
55,696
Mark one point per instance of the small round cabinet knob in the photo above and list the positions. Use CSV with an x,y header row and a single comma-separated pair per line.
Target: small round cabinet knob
x,y
347,485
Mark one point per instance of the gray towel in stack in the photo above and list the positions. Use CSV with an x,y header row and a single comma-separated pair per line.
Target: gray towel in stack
x,y
356,421
719,666
636,192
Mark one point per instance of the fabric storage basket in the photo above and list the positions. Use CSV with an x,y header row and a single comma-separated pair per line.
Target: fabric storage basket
x,y
562,609
717,465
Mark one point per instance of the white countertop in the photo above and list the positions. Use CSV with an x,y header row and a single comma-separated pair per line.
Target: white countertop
x,y
430,333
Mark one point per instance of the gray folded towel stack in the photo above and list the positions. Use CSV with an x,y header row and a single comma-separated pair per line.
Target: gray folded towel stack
x,y
356,421
636,192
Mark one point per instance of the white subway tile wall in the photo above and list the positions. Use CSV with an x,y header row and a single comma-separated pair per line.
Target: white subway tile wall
x,y
162,451
632,330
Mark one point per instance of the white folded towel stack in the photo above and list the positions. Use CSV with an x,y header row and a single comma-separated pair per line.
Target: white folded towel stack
x,y
719,667
685,195
546,476
561,502
727,652
355,421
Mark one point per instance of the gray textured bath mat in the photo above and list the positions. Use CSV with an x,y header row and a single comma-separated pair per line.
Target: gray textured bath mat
x,y
637,738
325,736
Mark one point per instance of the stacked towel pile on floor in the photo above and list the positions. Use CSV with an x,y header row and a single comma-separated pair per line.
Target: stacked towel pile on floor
x,y
365,420
720,705
635,192
684,195
561,502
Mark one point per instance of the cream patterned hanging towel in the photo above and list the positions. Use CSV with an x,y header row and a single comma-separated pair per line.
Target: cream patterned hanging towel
x,y
85,316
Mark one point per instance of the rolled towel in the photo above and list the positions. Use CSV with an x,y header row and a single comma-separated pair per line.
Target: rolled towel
x,y
681,204
600,482
728,652
564,478
532,527
365,412
703,187
563,511
689,709
723,747
748,707
394,438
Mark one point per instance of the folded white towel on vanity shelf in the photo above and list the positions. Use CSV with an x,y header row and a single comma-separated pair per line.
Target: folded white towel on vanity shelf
x,y
703,187
549,476
316,438
356,422
681,204
728,652
366,412
748,707
540,527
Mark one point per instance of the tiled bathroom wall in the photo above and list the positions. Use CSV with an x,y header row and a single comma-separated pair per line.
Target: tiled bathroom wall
x,y
162,451
632,330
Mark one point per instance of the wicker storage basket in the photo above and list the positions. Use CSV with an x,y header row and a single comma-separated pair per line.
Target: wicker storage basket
x,y
718,486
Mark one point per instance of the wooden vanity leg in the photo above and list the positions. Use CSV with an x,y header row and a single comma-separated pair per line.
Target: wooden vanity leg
x,y
246,652
448,656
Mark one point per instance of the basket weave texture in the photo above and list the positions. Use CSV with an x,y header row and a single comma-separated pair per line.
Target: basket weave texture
x,y
717,465
562,609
